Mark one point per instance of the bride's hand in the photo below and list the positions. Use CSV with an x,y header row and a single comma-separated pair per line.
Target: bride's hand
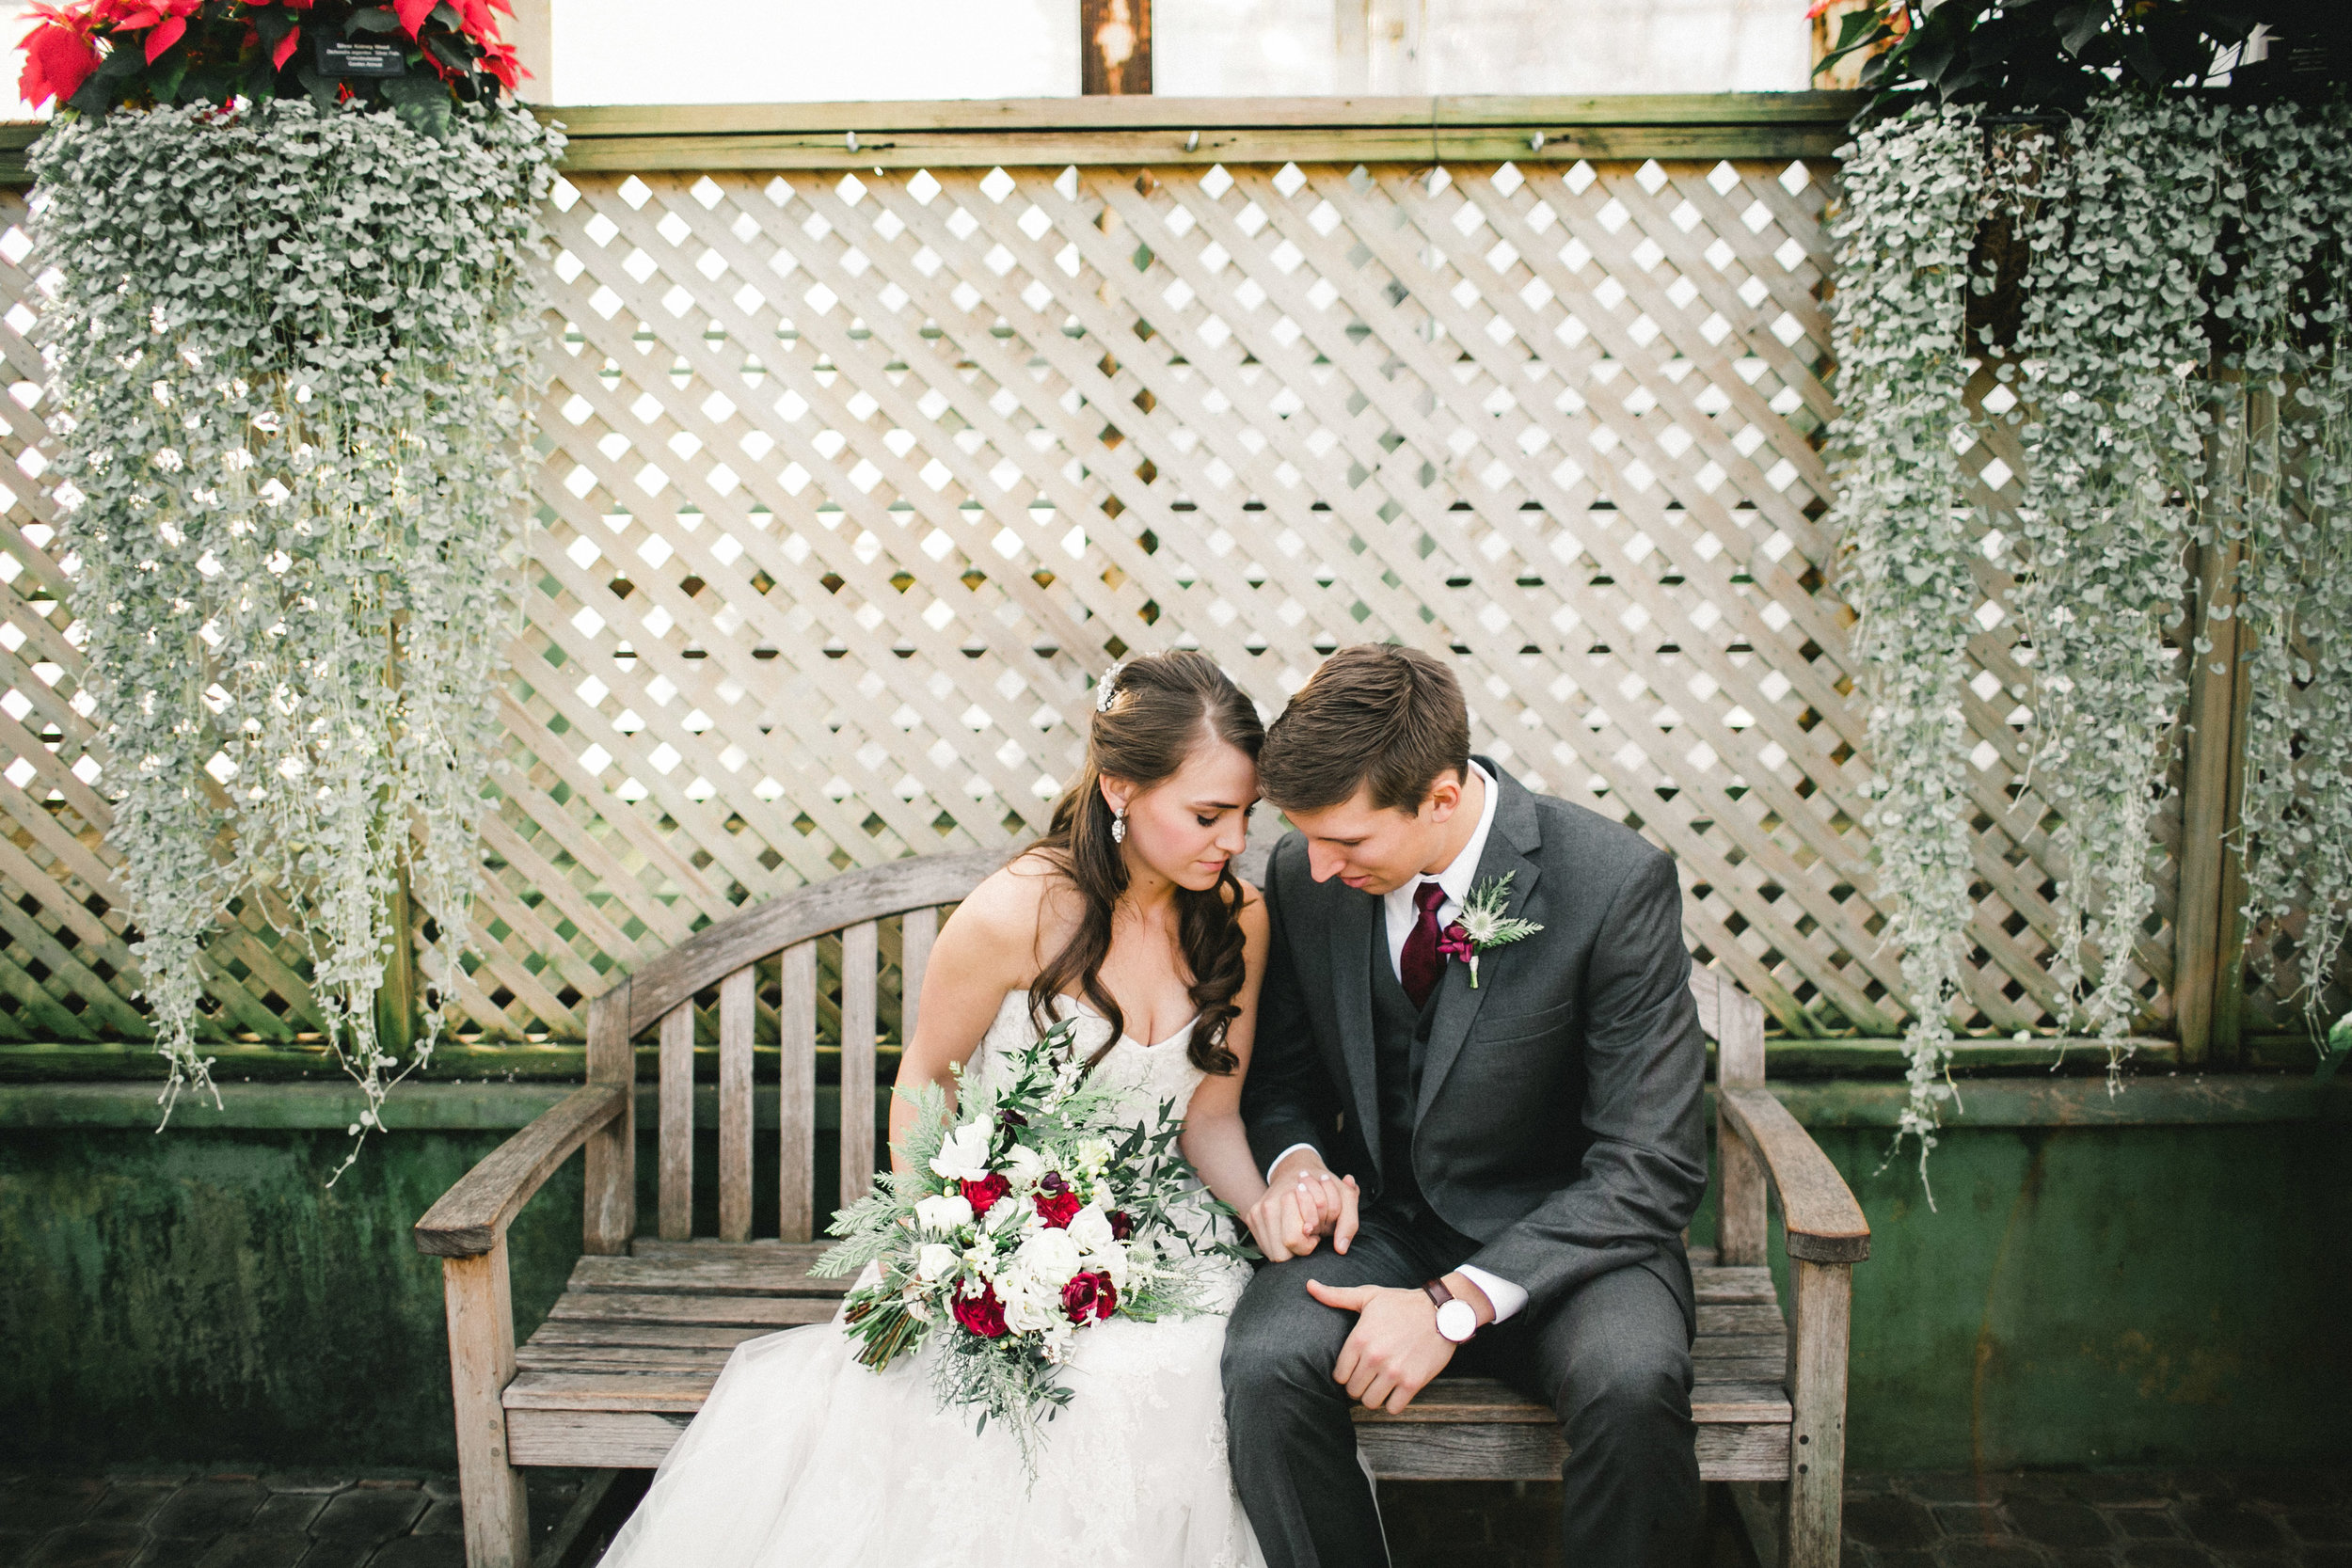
x,y
1292,1216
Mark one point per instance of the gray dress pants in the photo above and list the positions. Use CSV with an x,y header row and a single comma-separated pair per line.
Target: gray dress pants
x,y
1614,1359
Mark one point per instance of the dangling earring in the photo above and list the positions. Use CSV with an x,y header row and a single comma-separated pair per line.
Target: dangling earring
x,y
1119,825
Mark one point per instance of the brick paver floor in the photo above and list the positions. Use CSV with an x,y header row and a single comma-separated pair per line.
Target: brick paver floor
x,y
184,1517
175,1517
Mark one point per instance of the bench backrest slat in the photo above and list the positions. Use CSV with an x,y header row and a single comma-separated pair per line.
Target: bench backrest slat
x,y
860,961
796,1140
737,1004
677,1122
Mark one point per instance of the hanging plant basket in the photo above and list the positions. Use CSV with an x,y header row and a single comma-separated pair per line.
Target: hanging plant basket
x,y
291,346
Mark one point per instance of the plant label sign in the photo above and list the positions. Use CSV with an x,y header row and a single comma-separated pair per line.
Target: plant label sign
x,y
361,57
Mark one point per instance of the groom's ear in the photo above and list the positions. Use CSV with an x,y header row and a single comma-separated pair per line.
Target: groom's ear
x,y
1444,796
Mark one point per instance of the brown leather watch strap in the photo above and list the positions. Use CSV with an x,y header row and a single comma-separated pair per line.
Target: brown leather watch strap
x,y
1438,1292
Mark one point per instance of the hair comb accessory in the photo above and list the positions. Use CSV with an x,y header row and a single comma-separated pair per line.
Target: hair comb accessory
x,y
1106,690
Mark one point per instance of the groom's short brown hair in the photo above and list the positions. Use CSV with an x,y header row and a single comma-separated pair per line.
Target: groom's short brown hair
x,y
1386,718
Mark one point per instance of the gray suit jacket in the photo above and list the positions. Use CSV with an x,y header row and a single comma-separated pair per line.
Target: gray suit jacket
x,y
1559,1122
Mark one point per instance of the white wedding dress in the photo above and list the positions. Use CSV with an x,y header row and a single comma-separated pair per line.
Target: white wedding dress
x,y
801,1458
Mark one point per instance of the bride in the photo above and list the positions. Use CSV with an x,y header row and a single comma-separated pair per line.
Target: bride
x,y
1126,916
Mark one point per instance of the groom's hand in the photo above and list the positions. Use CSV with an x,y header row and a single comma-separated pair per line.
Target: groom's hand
x,y
1395,1347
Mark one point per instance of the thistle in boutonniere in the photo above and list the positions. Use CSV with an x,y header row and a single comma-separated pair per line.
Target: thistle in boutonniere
x,y
1482,924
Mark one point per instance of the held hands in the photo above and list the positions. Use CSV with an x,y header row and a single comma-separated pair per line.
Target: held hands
x,y
1395,1347
1304,1204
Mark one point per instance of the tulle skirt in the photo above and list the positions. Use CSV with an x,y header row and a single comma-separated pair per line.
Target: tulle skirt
x,y
801,1458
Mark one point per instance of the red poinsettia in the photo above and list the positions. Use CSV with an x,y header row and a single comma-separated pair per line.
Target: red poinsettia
x,y
218,49
59,53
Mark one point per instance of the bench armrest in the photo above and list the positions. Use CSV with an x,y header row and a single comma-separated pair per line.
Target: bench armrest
x,y
1824,1224
472,1215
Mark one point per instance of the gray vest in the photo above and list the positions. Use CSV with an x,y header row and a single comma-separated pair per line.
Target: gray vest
x,y
1400,1036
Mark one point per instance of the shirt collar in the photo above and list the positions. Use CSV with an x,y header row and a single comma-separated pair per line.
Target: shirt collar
x,y
1458,877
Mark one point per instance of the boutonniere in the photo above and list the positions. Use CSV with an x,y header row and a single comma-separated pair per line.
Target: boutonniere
x,y
1482,924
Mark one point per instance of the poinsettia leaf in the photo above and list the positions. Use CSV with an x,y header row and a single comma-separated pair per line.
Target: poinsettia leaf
x,y
321,88
164,80
374,19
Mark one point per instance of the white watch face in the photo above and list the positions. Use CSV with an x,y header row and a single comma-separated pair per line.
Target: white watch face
x,y
1457,1321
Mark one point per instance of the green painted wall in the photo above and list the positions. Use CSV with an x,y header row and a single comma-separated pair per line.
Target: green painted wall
x,y
2085,1294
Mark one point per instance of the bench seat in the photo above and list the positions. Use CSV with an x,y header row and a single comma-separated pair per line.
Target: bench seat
x,y
630,1350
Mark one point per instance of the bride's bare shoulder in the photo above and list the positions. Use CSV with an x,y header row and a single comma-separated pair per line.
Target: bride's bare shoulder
x,y
1015,905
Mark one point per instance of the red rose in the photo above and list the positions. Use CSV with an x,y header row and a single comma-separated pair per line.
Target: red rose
x,y
1121,1227
982,1195
1089,1295
1057,1208
983,1314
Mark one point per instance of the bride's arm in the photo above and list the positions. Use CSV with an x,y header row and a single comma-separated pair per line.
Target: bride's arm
x,y
980,955
1214,1139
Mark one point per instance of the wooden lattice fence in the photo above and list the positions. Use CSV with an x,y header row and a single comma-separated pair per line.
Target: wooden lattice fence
x,y
854,478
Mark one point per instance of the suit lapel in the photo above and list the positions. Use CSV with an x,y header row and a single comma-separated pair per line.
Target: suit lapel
x,y
1353,915
1514,835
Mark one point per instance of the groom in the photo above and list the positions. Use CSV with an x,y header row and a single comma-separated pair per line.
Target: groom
x,y
1490,1178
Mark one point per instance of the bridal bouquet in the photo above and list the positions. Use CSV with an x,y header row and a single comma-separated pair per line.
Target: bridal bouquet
x,y
1044,1210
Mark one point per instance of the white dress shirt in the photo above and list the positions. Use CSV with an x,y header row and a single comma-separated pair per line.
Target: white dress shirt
x,y
1397,904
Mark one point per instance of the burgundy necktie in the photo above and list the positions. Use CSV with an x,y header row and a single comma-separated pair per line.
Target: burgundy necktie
x,y
1421,966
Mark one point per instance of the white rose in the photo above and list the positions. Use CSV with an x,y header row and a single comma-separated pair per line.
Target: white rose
x,y
1092,1230
947,1212
1050,1257
1025,1165
933,1260
1032,1310
964,1155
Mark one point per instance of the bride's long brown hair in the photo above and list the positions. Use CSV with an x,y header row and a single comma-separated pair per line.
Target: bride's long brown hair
x,y
1162,708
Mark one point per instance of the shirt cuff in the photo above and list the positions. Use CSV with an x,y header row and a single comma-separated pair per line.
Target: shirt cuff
x,y
1504,1296
1293,1148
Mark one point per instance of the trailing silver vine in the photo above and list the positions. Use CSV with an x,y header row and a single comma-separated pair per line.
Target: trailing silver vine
x,y
1907,524
2122,218
2179,372
292,351
2282,490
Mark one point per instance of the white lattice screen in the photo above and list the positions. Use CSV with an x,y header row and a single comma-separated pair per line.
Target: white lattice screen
x,y
852,482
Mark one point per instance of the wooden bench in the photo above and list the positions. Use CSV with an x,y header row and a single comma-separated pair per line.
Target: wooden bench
x,y
644,1325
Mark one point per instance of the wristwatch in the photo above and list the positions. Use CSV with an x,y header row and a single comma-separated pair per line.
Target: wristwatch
x,y
1456,1319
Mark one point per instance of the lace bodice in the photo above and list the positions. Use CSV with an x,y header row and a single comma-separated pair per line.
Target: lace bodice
x,y
1149,1077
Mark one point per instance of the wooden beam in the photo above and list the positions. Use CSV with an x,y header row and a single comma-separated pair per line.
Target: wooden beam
x,y
1135,129
1115,48
1821,1311
482,1364
2208,936
396,992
